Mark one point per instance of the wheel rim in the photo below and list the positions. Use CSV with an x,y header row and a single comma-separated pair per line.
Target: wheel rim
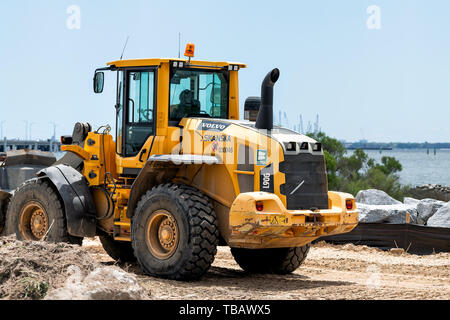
x,y
33,221
162,235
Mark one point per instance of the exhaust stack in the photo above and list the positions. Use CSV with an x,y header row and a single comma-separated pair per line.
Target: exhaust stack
x,y
265,114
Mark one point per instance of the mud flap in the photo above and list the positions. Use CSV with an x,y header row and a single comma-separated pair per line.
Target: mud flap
x,y
78,203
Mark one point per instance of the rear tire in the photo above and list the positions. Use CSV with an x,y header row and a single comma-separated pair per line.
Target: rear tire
x,y
174,232
36,213
118,250
276,261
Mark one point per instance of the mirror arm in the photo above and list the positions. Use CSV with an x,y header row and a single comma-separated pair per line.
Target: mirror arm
x,y
111,68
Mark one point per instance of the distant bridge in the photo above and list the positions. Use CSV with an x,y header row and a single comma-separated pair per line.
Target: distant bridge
x,y
43,145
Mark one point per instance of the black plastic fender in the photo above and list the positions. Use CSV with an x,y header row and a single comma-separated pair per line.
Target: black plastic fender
x,y
161,169
78,202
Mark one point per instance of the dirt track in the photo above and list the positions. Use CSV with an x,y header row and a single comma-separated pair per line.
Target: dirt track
x,y
330,272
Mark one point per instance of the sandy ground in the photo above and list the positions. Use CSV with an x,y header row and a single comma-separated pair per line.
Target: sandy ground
x,y
329,272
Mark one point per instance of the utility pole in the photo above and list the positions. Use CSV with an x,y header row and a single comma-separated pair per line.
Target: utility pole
x,y
301,125
31,124
286,119
26,129
316,125
179,45
1,129
309,129
53,139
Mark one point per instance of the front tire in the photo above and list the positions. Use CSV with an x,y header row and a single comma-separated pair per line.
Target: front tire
x,y
276,261
174,232
36,213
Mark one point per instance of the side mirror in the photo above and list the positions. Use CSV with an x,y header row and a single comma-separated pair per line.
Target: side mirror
x,y
99,80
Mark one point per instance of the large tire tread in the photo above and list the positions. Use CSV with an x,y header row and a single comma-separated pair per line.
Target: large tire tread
x,y
203,231
275,261
44,192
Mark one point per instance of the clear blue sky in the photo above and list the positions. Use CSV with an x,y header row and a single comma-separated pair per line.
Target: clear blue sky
x,y
391,84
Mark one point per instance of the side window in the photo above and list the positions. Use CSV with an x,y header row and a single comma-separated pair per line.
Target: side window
x,y
140,97
140,105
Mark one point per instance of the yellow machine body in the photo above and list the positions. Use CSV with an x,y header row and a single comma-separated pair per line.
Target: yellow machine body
x,y
229,169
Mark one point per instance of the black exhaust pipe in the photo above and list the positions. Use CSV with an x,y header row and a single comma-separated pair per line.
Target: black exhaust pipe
x,y
265,114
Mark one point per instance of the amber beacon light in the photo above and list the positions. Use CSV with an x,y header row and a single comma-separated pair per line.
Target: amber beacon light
x,y
190,49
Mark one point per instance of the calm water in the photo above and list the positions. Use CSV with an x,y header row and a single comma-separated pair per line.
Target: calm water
x,y
418,166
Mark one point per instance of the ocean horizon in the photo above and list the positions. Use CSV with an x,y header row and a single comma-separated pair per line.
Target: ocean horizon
x,y
420,166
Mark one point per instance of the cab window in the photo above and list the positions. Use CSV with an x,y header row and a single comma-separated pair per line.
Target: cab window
x,y
199,93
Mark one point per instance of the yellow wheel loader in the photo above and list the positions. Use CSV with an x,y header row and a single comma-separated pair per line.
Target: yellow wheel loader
x,y
183,175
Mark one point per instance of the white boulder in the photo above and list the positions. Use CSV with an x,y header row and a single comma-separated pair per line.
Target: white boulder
x,y
104,283
375,197
441,218
394,213
376,206
426,208
411,201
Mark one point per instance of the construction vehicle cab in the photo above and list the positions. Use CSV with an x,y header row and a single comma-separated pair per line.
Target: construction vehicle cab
x,y
183,173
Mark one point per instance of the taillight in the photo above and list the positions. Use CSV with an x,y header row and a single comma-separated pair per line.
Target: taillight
x,y
259,206
349,204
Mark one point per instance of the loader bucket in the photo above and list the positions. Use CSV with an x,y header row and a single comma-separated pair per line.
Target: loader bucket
x,y
22,165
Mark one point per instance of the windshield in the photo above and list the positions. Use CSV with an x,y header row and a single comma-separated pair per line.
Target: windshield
x,y
198,93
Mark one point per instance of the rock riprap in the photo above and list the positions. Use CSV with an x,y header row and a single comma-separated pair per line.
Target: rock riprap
x,y
441,218
393,213
426,208
375,197
376,206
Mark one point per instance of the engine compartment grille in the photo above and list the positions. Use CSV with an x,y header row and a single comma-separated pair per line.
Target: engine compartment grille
x,y
306,184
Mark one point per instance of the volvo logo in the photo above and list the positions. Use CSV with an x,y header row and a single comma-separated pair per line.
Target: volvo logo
x,y
212,126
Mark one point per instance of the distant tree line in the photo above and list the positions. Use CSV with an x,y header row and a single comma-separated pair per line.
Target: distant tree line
x,y
396,145
352,173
